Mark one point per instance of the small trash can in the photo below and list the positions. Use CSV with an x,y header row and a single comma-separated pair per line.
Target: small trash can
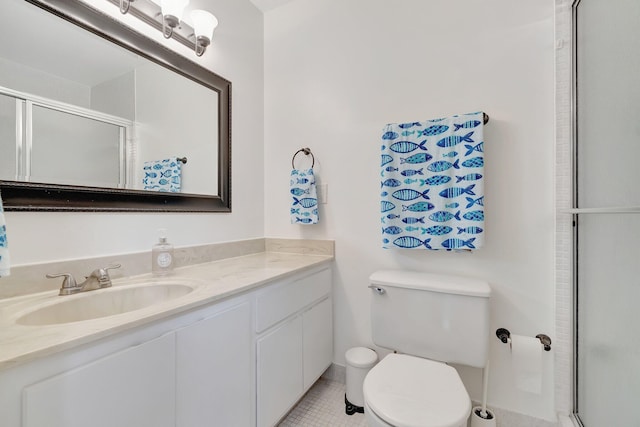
x,y
360,360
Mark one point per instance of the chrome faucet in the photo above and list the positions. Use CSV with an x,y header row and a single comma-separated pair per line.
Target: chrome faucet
x,y
98,279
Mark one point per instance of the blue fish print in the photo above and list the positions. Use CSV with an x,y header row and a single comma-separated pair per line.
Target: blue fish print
x,y
408,133
158,166
468,125
390,135
392,230
411,229
452,192
302,181
452,205
474,216
407,146
150,175
390,183
409,181
444,216
384,194
479,201
304,220
393,216
295,171
386,159
306,214
299,191
295,211
386,206
383,147
437,120
442,166
391,169
435,180
409,242
452,141
409,125
407,194
458,243
468,177
433,130
450,154
411,172
418,207
417,158
471,148
305,203
470,230
475,162
438,230
412,220
163,181
166,174
385,241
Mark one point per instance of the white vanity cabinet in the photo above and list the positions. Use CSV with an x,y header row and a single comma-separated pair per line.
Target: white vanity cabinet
x,y
295,342
214,379
241,361
130,388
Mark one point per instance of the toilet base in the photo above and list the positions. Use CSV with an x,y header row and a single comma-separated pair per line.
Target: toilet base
x,y
350,408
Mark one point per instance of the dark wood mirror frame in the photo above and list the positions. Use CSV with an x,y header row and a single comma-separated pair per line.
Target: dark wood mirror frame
x,y
25,196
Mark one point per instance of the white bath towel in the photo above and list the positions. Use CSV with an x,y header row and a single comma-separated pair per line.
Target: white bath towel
x,y
432,185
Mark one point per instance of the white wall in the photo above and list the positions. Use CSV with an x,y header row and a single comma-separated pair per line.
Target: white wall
x,y
336,71
237,54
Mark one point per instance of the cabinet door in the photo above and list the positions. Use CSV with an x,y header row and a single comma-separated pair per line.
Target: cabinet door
x,y
317,341
214,375
132,388
279,372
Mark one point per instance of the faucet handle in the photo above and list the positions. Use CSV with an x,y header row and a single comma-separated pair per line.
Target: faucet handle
x,y
112,267
68,283
102,274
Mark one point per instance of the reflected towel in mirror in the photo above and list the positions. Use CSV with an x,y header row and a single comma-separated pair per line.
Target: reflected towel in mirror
x,y
5,266
163,175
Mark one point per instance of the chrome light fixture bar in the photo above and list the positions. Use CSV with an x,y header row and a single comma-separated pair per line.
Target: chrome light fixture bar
x,y
167,18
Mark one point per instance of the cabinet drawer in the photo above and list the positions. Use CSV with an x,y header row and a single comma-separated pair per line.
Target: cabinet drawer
x,y
280,301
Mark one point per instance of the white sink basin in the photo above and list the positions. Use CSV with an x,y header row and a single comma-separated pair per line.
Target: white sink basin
x,y
103,302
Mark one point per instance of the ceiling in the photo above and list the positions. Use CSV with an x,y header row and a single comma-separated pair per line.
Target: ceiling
x,y
265,5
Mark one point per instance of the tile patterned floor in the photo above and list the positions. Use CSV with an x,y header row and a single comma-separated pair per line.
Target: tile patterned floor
x,y
323,406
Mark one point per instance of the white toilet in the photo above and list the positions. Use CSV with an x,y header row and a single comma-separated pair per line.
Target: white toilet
x,y
430,320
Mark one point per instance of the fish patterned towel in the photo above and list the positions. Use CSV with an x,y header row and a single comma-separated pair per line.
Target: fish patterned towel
x,y
163,175
432,185
5,266
304,206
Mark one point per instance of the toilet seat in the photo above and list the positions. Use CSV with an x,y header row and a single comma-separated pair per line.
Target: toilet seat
x,y
408,391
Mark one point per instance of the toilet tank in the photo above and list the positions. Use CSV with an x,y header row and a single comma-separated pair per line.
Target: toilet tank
x,y
444,318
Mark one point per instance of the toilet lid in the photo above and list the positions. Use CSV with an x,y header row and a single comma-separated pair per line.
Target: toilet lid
x,y
407,391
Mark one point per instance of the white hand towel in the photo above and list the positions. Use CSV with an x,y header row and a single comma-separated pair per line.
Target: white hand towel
x,y
304,199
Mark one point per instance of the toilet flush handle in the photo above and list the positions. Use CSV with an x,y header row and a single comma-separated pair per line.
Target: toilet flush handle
x,y
378,289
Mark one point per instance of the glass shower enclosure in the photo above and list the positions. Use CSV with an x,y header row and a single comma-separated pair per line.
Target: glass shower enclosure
x,y
607,212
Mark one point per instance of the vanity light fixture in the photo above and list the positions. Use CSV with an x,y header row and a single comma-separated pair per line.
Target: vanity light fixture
x,y
166,16
124,6
204,23
172,11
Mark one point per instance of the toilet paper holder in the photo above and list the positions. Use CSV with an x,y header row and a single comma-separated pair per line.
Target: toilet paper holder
x,y
505,336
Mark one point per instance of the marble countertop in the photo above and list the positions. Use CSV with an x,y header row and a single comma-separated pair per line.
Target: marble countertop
x,y
211,281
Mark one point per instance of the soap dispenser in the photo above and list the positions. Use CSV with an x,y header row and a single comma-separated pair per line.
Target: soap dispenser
x,y
162,255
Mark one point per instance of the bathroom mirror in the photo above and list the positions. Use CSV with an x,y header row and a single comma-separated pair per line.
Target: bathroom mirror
x,y
85,102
